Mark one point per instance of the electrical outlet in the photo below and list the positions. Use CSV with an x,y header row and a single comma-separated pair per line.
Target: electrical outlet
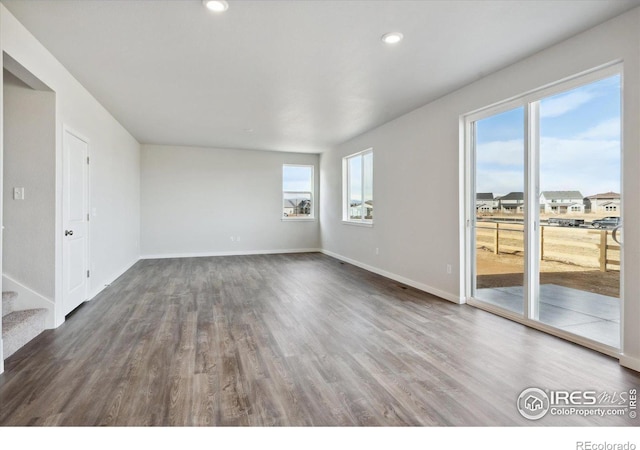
x,y
238,239
449,269
233,239
377,251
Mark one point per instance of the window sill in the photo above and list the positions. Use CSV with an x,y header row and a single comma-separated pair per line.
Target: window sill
x,y
358,224
298,219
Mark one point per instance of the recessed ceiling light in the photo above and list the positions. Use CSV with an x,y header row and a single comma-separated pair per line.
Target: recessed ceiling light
x,y
392,38
216,5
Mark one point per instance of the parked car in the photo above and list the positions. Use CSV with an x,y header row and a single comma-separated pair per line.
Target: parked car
x,y
565,222
606,222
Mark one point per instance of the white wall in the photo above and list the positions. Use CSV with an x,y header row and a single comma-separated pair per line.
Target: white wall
x,y
28,246
115,162
417,177
411,178
195,199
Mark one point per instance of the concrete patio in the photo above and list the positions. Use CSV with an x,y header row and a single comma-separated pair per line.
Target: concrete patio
x,y
586,314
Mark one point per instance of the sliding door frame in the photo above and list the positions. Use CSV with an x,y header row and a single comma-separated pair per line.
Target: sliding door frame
x,y
530,101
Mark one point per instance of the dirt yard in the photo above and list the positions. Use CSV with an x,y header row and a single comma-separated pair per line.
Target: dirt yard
x,y
574,246
507,270
570,256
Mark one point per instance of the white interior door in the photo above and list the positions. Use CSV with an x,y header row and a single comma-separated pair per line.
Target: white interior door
x,y
74,211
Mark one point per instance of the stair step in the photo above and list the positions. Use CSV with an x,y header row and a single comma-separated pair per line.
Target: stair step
x,y
20,327
7,302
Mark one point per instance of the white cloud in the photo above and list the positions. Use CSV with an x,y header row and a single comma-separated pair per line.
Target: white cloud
x,y
499,181
562,104
501,153
579,153
590,166
609,129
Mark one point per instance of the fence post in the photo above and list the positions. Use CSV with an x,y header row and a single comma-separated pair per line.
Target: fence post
x,y
496,237
603,250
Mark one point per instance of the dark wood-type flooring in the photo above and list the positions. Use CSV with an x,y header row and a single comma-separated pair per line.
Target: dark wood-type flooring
x,y
297,339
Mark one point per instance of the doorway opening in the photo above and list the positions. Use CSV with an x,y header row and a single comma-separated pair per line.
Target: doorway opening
x,y
28,205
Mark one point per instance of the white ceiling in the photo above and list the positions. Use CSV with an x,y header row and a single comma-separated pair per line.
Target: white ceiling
x,y
288,75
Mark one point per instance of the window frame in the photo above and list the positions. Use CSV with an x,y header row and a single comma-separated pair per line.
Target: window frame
x,y
346,183
311,217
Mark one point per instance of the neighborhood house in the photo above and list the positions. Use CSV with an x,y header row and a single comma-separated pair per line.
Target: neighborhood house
x,y
511,203
486,202
297,207
354,209
607,202
561,202
551,202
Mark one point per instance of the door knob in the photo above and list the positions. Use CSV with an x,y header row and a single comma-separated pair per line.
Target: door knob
x,y
68,232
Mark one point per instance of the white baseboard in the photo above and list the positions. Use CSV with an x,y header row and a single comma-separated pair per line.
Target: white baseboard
x,y
423,287
230,253
30,299
111,279
630,362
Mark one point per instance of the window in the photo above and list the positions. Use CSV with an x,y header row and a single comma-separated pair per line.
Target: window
x,y
357,172
297,192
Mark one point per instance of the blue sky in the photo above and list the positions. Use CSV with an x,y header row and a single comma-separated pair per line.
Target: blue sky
x,y
297,178
579,145
356,167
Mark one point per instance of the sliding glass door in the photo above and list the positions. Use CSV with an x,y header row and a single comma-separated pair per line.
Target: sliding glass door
x,y
499,205
579,187
544,207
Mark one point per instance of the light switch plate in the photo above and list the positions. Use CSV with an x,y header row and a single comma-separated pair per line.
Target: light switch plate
x,y
18,193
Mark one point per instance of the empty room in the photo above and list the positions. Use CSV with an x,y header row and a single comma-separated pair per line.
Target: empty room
x,y
320,213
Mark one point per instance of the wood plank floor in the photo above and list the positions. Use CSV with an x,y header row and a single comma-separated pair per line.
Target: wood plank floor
x,y
297,339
